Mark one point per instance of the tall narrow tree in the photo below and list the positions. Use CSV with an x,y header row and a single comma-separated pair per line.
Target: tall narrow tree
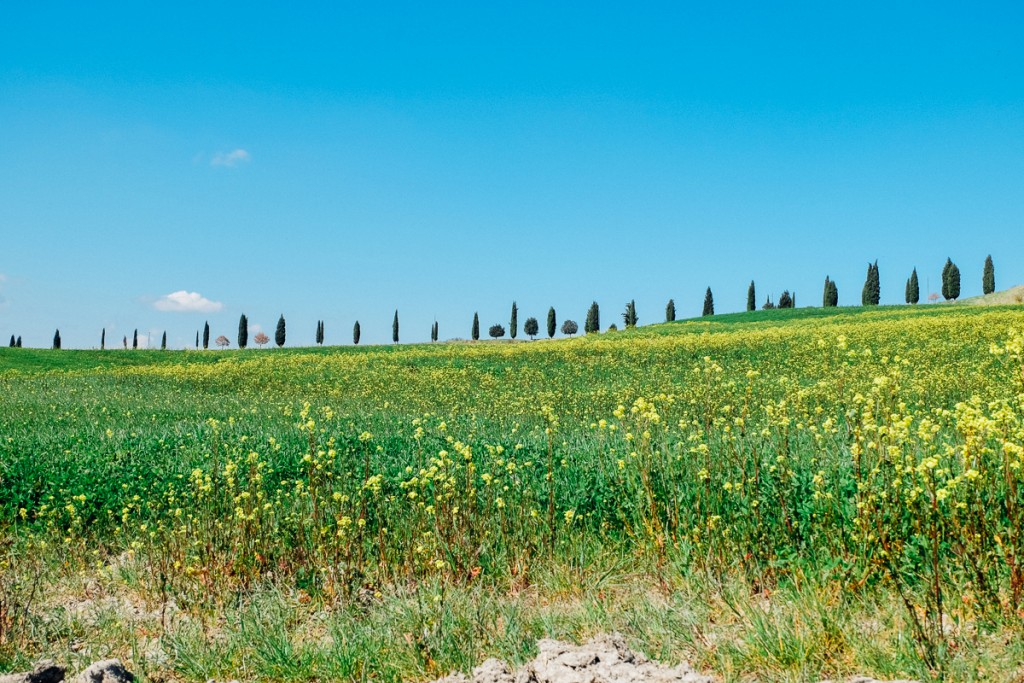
x,y
281,333
394,328
827,292
197,339
513,324
833,293
243,331
709,303
751,297
913,288
163,341
206,335
56,339
592,324
988,276
552,322
670,311
871,293
629,315
433,332
135,339
103,339
474,333
950,280
17,344
13,343
356,333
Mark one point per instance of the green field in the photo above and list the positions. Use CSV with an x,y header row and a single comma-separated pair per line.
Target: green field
x,y
779,495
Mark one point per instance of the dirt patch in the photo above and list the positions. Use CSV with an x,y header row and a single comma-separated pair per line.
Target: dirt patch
x,y
604,659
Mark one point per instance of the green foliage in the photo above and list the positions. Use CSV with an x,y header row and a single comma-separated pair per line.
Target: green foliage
x,y
950,281
513,325
629,318
206,335
670,311
319,332
103,339
394,328
56,339
871,293
281,333
135,339
592,323
988,277
496,331
163,341
552,322
786,300
570,327
433,332
475,331
709,303
243,331
13,343
356,333
913,294
751,297
831,294
531,327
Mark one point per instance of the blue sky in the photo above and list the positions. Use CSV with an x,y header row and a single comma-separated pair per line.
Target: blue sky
x,y
339,161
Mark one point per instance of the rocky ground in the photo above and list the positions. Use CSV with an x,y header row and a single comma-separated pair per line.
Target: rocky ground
x,y
605,659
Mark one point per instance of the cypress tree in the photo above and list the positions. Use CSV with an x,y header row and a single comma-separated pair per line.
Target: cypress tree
x,y
833,296
751,297
475,332
709,303
552,322
18,343
135,339
513,324
206,335
163,341
394,328
786,300
13,344
281,332
871,294
827,293
103,339
593,322
56,339
197,339
629,315
670,311
913,288
356,333
124,342
876,285
954,282
433,332
243,331
988,277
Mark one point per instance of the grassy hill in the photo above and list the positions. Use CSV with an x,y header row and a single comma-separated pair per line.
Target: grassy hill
x,y
779,495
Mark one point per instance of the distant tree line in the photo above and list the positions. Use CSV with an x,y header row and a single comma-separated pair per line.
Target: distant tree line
x,y
870,296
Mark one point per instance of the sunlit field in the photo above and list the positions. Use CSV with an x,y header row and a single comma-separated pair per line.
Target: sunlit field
x,y
782,495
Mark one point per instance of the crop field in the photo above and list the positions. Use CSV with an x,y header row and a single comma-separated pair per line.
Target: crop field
x,y
782,495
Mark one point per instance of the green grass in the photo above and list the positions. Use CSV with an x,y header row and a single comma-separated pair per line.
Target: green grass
x,y
752,492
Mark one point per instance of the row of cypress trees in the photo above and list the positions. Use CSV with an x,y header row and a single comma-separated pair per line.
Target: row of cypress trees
x,y
870,296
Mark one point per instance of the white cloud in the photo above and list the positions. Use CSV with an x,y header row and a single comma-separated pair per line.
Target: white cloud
x,y
231,159
187,302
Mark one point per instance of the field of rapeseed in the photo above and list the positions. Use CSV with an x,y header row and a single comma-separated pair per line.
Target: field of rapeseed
x,y
783,496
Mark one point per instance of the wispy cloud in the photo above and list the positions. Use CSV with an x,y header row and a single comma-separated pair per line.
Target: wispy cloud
x,y
186,302
231,159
